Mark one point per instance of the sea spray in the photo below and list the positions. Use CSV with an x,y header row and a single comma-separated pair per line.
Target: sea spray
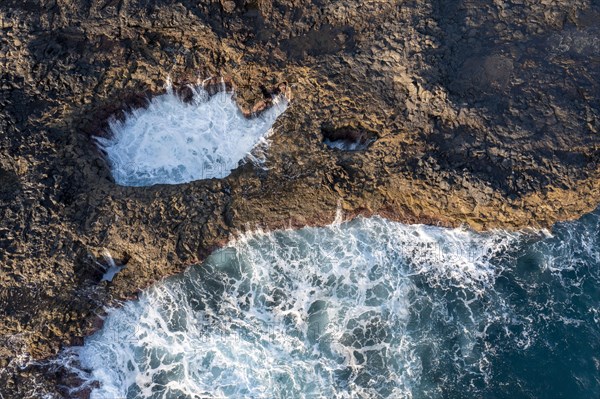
x,y
172,142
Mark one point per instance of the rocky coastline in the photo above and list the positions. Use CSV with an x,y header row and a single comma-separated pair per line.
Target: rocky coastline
x,y
483,114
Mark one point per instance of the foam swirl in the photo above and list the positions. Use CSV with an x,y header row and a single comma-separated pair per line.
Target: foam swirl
x,y
172,142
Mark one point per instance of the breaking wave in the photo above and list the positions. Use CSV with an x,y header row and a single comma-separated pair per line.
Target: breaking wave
x,y
364,309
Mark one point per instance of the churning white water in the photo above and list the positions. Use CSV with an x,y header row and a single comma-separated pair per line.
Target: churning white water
x,y
172,142
363,309
344,311
345,145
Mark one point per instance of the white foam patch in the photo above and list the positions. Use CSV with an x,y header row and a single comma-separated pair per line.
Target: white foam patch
x,y
315,313
110,268
172,142
346,145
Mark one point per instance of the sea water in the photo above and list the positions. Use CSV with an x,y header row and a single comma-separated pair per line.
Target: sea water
x,y
367,308
172,142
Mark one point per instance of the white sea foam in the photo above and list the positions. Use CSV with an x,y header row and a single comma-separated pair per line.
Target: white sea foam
x,y
315,313
346,145
172,142
111,267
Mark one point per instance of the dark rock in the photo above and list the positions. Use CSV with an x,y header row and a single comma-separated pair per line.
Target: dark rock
x,y
9,184
349,137
471,102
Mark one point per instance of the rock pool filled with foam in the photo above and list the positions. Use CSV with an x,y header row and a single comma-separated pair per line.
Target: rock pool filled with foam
x,y
364,309
172,142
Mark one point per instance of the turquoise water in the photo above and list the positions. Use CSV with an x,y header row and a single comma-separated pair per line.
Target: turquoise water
x,y
365,309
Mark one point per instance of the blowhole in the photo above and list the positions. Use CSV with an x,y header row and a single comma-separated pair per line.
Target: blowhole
x,y
347,138
192,133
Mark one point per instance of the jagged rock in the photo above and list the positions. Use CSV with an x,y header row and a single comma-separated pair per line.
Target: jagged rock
x,y
500,99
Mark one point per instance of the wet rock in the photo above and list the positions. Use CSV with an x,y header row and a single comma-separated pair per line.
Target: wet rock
x,y
347,137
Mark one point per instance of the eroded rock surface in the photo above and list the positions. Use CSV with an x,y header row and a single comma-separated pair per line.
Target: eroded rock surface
x,y
486,113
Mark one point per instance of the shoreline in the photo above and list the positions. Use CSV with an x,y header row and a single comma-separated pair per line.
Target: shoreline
x,y
531,234
492,125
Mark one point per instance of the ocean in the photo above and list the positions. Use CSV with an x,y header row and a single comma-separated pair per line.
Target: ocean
x,y
367,308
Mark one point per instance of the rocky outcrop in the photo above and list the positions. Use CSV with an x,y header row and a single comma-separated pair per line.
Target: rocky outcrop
x,y
485,113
